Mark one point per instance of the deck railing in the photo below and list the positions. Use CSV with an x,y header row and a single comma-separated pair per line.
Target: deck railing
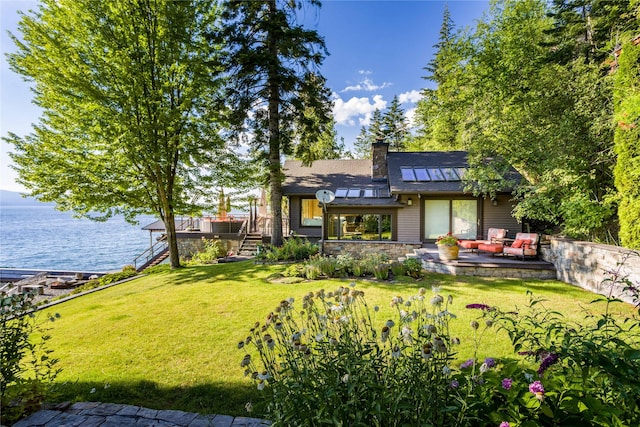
x,y
156,249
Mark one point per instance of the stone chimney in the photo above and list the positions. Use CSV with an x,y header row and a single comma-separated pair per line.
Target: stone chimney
x,y
379,151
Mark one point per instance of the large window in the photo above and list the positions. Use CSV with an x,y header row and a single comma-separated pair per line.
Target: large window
x,y
359,227
311,213
460,217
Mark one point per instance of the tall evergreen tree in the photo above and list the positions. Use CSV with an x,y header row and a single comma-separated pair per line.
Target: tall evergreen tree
x,y
395,127
271,63
440,111
126,93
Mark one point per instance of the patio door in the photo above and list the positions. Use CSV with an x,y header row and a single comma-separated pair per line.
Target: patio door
x,y
458,216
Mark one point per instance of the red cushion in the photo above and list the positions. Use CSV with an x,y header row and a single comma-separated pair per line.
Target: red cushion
x,y
517,243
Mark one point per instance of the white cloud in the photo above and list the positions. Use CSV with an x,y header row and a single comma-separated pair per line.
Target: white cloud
x,y
412,96
411,117
356,109
365,83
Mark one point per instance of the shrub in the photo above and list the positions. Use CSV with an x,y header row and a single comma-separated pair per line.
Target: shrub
x,y
293,249
107,279
413,267
328,363
213,249
381,271
26,365
397,269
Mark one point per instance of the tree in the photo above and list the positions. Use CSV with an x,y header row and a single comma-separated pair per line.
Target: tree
x,y
126,89
627,136
395,127
440,111
271,63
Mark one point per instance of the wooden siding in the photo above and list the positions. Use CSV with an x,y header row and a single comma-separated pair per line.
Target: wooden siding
x,y
409,220
499,216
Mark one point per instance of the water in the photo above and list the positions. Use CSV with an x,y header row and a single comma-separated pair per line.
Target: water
x,y
40,237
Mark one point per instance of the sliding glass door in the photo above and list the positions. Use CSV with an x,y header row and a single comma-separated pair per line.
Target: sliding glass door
x,y
457,216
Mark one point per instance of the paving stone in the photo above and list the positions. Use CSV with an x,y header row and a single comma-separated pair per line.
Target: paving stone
x,y
146,422
40,418
119,421
129,410
81,406
176,417
147,413
104,409
93,421
249,422
212,421
67,420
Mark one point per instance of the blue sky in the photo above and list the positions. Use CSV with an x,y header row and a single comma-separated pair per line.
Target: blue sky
x,y
378,49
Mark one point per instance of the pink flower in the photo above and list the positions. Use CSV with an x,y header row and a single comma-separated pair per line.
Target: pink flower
x,y
505,424
506,383
537,389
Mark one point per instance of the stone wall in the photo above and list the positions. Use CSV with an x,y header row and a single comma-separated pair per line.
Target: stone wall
x,y
187,247
588,265
361,247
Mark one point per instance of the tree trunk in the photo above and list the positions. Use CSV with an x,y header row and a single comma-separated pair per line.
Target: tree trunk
x,y
275,169
172,239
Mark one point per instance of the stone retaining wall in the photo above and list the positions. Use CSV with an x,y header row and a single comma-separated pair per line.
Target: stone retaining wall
x,y
588,265
362,247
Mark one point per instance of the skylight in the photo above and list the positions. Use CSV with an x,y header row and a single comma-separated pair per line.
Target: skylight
x,y
433,173
353,192
369,192
407,174
341,192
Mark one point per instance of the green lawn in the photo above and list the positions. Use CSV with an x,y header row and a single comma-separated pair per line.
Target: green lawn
x,y
168,340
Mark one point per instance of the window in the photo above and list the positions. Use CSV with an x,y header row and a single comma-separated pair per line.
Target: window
x,y
458,216
369,192
359,227
311,213
407,174
341,192
421,174
354,192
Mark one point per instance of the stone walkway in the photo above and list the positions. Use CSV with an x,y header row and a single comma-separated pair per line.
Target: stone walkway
x,y
96,414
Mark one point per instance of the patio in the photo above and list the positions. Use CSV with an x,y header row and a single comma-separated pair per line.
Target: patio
x,y
486,265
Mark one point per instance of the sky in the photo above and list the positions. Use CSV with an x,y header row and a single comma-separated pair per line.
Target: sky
x,y
377,50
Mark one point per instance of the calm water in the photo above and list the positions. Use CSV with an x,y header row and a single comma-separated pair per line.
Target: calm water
x,y
41,237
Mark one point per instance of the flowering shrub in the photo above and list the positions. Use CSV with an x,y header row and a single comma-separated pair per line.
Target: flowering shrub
x,y
449,240
327,362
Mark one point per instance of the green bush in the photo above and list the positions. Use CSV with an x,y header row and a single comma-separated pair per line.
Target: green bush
x,y
327,363
398,269
26,366
213,249
107,279
293,249
413,267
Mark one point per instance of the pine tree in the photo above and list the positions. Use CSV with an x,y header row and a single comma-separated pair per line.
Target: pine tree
x,y
273,84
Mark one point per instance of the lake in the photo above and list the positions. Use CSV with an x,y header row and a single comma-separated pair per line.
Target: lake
x,y
40,237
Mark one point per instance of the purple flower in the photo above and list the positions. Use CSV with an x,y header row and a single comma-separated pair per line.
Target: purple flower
x,y
505,424
490,362
536,388
479,306
469,363
454,384
549,360
506,383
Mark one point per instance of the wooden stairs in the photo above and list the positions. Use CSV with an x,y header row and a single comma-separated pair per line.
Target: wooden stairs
x,y
250,244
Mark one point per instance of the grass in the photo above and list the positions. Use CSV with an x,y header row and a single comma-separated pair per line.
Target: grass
x,y
168,340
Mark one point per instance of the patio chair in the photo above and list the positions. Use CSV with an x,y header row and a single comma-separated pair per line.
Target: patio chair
x,y
524,245
492,234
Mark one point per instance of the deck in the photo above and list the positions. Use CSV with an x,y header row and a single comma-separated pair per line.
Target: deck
x,y
486,265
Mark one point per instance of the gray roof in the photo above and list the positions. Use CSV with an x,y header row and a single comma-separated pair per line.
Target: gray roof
x,y
333,174
429,159
327,174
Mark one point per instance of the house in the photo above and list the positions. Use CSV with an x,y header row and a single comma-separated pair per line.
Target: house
x,y
394,202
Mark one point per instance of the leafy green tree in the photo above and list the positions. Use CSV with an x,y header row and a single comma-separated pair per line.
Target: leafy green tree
x,y
627,136
362,145
126,89
271,63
